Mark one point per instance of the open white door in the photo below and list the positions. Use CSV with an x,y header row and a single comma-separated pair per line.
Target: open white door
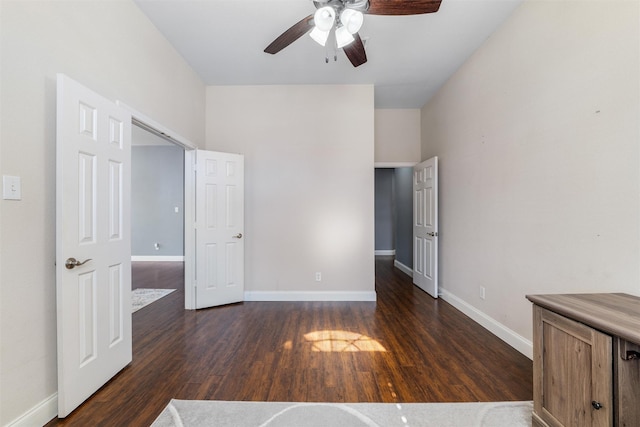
x,y
219,241
425,226
93,243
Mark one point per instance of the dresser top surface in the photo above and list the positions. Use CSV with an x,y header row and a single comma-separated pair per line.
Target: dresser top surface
x,y
615,314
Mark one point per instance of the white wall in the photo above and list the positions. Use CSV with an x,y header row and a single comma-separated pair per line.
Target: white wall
x,y
111,47
538,139
309,183
397,135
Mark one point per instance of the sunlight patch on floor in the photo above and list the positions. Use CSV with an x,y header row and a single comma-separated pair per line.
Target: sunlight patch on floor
x,y
342,341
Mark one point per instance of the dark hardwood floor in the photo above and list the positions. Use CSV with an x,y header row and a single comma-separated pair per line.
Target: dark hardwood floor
x,y
407,347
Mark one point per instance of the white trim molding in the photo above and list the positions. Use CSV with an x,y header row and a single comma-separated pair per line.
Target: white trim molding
x,y
400,266
309,296
385,252
147,123
394,164
507,335
39,415
157,258
190,229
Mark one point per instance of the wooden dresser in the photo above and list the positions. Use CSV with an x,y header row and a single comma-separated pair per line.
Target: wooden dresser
x,y
586,360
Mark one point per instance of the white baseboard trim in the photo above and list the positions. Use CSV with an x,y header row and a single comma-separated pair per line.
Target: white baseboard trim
x,y
157,258
39,415
309,296
385,252
512,338
400,266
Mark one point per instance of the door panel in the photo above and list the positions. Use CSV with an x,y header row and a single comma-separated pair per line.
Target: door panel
x,y
572,368
92,224
219,227
425,227
116,325
115,200
87,307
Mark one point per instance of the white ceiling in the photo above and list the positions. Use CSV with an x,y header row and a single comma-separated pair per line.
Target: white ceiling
x,y
409,57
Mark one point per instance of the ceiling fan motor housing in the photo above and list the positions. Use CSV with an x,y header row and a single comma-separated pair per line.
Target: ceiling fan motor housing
x,y
339,5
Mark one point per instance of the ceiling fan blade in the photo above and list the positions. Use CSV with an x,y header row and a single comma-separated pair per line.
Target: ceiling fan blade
x,y
355,51
292,34
402,7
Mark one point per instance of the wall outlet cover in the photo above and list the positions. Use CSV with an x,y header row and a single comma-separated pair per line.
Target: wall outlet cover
x,y
11,188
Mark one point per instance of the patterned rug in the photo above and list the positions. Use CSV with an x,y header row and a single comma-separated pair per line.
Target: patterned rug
x,y
201,413
142,297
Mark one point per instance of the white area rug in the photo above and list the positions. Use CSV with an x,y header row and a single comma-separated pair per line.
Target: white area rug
x,y
142,297
196,413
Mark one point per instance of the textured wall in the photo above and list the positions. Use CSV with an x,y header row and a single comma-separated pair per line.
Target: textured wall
x,y
537,138
112,48
397,136
308,183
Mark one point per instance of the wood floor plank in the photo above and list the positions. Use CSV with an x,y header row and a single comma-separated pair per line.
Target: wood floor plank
x,y
269,351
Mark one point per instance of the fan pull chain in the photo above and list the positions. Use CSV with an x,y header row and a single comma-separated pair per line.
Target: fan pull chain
x,y
330,51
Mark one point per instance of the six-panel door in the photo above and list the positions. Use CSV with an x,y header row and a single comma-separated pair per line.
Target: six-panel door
x,y
425,226
92,228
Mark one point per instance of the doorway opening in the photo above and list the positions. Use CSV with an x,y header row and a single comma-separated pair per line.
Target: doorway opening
x,y
394,215
219,257
157,216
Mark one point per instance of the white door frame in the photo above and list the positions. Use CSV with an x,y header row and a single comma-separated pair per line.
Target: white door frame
x,y
393,165
190,148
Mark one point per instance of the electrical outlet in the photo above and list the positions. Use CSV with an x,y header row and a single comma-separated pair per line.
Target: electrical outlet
x,y
482,291
318,276
11,188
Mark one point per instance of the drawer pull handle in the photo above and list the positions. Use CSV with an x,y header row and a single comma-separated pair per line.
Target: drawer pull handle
x,y
596,405
631,355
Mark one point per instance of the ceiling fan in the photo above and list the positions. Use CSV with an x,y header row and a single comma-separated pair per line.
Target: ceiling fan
x,y
343,19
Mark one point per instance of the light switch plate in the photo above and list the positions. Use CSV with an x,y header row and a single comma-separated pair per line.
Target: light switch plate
x,y
11,188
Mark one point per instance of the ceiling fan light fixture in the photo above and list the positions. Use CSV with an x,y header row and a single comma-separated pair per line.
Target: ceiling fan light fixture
x,y
352,20
319,36
324,18
343,37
